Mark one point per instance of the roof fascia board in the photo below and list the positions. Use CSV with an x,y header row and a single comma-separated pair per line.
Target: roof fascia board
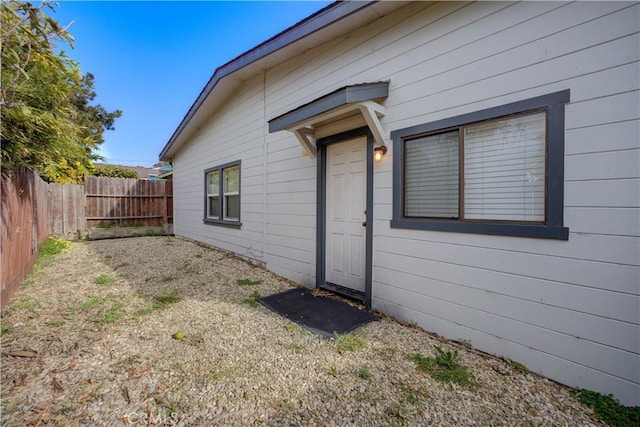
x,y
334,100
323,18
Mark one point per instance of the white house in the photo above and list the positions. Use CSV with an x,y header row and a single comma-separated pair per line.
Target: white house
x,y
504,209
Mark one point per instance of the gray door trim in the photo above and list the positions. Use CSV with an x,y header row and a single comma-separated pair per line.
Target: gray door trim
x,y
321,214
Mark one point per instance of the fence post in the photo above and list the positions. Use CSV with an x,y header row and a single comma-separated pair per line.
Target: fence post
x,y
165,211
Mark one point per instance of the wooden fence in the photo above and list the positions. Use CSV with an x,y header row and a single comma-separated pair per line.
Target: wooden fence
x,y
33,210
24,227
127,202
101,201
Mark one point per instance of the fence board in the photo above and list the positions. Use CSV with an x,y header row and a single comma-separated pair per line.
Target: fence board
x,y
54,208
24,227
73,213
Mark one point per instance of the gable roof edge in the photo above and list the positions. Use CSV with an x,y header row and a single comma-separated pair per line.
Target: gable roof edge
x,y
321,19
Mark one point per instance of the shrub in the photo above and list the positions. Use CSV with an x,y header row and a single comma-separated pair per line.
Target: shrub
x,y
112,171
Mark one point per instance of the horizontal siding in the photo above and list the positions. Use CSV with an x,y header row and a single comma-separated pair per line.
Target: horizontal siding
x,y
567,309
614,213
574,301
547,303
532,306
290,209
510,55
519,320
620,135
573,271
599,166
291,187
605,221
235,133
622,193
599,302
559,368
448,102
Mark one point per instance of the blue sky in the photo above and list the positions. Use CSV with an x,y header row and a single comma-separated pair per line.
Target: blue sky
x,y
151,59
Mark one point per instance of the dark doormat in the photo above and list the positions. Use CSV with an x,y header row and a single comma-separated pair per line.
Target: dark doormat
x,y
320,315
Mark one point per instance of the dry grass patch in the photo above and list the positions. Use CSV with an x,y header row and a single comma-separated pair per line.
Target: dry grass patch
x,y
105,354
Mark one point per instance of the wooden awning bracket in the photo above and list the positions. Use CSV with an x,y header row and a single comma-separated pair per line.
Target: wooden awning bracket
x,y
371,112
305,138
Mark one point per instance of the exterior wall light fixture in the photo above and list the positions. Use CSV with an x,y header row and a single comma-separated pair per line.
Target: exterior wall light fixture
x,y
379,152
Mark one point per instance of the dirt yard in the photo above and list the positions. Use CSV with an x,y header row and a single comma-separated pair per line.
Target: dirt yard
x,y
89,340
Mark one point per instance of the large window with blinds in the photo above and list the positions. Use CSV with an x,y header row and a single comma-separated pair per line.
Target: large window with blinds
x,y
496,171
222,195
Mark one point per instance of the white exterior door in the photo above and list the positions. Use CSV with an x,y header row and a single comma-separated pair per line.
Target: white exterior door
x,y
345,213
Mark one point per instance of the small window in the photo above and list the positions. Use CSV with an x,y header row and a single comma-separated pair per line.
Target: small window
x,y
497,171
222,200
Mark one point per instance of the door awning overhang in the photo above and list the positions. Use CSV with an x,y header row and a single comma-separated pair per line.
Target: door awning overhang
x,y
343,109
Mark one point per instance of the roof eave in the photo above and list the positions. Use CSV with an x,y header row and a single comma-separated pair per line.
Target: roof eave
x,y
321,19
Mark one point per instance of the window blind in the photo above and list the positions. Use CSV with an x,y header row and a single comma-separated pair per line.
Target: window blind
x,y
504,169
431,176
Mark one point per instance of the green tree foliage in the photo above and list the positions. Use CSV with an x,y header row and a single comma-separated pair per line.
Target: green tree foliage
x,y
114,172
48,121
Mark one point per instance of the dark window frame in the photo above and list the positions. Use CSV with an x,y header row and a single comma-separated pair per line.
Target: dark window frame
x,y
221,220
553,226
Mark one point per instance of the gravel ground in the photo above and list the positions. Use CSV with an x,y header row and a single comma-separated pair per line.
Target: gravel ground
x,y
78,352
